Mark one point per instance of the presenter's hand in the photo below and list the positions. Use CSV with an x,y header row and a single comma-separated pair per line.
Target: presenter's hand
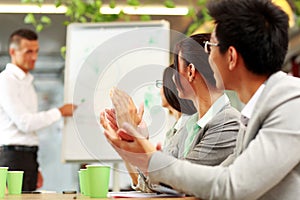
x,y
40,180
67,110
125,108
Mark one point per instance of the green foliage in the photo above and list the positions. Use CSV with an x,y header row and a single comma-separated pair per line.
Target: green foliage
x,y
145,17
39,24
297,7
63,51
133,2
88,11
169,3
199,14
112,3
77,11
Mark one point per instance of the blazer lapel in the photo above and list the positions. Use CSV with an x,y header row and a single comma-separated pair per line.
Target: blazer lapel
x,y
261,109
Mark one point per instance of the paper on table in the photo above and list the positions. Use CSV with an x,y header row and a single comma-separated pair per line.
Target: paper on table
x,y
137,194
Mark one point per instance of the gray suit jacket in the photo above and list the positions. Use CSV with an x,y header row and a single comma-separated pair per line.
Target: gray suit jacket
x,y
215,141
268,162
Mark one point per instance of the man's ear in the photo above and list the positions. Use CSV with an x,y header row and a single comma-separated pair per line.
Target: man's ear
x,y
191,73
11,51
232,57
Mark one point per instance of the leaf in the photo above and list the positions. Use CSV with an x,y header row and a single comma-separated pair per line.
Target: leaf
x,y
98,4
58,3
169,4
66,23
69,12
112,3
29,19
82,19
40,2
25,1
133,2
192,28
63,51
201,2
39,27
191,12
145,17
45,20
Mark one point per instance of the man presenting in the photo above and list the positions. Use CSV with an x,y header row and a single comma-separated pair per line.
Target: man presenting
x,y
19,116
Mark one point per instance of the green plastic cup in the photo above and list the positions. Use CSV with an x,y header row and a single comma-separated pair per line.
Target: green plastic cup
x,y
81,182
98,180
14,182
3,175
85,186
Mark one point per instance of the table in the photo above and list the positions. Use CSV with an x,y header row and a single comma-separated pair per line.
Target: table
x,y
56,196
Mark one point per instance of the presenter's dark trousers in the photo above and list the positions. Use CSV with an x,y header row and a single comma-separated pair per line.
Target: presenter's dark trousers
x,y
21,158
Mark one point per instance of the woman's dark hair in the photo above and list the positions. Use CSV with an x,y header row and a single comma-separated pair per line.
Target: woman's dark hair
x,y
192,52
171,94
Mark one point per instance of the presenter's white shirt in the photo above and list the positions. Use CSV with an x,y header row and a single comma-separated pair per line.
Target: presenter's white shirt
x,y
19,116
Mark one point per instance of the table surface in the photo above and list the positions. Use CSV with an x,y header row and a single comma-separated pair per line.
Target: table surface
x,y
57,196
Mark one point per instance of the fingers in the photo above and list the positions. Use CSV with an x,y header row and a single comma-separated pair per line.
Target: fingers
x,y
125,110
106,124
112,139
125,136
132,131
103,120
111,117
113,126
111,113
118,98
141,110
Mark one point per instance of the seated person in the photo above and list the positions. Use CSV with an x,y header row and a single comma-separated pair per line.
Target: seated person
x,y
209,136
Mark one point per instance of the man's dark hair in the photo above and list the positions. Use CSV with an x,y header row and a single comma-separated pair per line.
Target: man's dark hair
x,y
16,36
258,29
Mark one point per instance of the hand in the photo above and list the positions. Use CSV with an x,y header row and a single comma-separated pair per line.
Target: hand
x,y
137,152
67,110
108,118
125,109
110,115
40,180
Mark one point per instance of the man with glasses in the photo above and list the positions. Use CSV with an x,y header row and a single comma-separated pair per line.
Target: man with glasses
x,y
247,50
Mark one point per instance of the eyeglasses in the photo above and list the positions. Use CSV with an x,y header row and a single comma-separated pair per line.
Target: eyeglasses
x,y
207,45
159,83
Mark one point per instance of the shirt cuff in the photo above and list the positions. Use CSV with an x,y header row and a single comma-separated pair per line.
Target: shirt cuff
x,y
142,185
55,114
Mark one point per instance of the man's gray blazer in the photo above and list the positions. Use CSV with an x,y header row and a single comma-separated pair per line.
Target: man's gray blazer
x,y
268,163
